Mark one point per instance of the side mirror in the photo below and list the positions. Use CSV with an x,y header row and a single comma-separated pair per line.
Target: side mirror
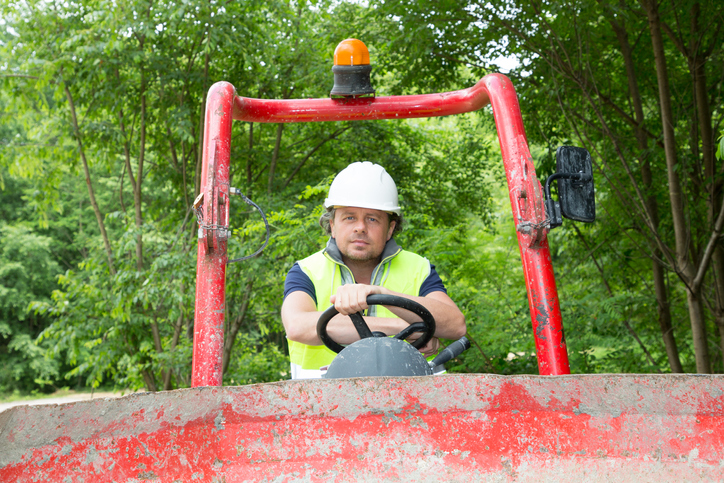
x,y
576,195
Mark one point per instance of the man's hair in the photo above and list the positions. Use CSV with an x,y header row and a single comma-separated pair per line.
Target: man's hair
x,y
329,215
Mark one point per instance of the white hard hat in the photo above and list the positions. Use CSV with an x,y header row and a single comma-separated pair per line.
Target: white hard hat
x,y
364,185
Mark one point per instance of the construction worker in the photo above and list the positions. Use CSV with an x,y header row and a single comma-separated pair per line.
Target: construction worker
x,y
361,258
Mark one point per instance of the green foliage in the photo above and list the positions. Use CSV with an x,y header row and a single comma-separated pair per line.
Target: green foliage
x,y
27,273
569,63
106,330
256,361
118,89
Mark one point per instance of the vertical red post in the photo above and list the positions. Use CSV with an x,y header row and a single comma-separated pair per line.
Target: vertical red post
x,y
545,311
212,238
526,199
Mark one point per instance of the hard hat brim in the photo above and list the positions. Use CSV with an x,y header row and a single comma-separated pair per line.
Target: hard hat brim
x,y
330,203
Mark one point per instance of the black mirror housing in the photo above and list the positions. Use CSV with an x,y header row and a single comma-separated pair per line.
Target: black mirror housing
x,y
576,196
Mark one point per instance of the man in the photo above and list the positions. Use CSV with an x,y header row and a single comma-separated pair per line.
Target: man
x,y
361,258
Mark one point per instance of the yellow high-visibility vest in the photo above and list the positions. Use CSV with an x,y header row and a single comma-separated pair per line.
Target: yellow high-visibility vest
x,y
400,271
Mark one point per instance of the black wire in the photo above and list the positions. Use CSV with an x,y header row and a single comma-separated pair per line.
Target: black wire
x,y
266,224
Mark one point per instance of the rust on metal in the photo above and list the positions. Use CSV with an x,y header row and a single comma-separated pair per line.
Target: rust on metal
x,y
596,428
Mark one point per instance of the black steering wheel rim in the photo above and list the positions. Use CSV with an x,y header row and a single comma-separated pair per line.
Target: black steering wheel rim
x,y
427,326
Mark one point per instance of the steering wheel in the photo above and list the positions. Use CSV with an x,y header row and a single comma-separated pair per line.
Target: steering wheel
x,y
427,326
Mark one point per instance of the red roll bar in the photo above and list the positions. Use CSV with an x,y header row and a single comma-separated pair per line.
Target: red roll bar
x,y
526,198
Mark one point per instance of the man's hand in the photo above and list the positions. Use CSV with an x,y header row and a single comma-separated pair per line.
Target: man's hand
x,y
429,349
352,298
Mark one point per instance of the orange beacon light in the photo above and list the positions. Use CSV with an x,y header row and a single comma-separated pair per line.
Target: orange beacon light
x,y
351,69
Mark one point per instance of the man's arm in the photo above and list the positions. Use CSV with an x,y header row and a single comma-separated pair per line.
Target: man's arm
x,y
449,321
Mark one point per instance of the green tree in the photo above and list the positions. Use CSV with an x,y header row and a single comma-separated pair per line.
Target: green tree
x,y
111,98
27,271
640,85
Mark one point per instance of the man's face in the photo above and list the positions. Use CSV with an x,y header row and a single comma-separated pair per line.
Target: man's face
x,y
361,233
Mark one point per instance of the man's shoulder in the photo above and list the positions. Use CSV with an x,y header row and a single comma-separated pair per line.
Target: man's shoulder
x,y
413,262
420,268
298,281
314,263
411,257
313,257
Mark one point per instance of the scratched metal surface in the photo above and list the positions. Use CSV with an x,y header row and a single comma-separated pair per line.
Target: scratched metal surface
x,y
525,192
212,237
446,428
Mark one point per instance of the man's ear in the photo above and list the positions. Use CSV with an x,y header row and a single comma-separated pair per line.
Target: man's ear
x,y
391,229
331,227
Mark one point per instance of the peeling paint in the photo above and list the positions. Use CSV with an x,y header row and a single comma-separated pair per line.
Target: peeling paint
x,y
444,428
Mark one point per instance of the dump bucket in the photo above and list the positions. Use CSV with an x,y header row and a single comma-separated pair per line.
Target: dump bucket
x,y
438,428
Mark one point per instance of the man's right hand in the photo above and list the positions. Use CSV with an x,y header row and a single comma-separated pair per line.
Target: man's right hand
x,y
352,298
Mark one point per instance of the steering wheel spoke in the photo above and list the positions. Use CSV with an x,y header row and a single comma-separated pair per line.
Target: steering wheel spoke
x,y
362,328
410,329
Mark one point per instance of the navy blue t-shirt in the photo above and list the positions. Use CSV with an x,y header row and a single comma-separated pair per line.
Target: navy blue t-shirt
x,y
297,281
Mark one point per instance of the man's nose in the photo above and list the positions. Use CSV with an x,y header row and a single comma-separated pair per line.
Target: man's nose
x,y
360,226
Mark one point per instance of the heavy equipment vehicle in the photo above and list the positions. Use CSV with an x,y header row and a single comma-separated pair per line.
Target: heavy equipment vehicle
x,y
551,427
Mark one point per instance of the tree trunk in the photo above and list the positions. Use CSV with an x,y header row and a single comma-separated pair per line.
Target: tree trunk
x,y
149,380
91,192
682,233
202,120
275,156
137,194
230,338
702,129
199,150
664,312
248,157
657,266
174,341
718,261
697,62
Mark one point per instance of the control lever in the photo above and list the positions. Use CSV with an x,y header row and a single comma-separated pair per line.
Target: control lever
x,y
451,352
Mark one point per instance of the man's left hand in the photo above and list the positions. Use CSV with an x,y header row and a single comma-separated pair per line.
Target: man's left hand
x,y
429,349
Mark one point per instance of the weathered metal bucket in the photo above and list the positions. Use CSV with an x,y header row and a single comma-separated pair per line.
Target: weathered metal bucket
x,y
446,428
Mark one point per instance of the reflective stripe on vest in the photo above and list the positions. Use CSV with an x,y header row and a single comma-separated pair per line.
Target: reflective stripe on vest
x,y
403,272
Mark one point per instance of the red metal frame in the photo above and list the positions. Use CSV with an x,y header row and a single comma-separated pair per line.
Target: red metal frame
x,y
526,197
